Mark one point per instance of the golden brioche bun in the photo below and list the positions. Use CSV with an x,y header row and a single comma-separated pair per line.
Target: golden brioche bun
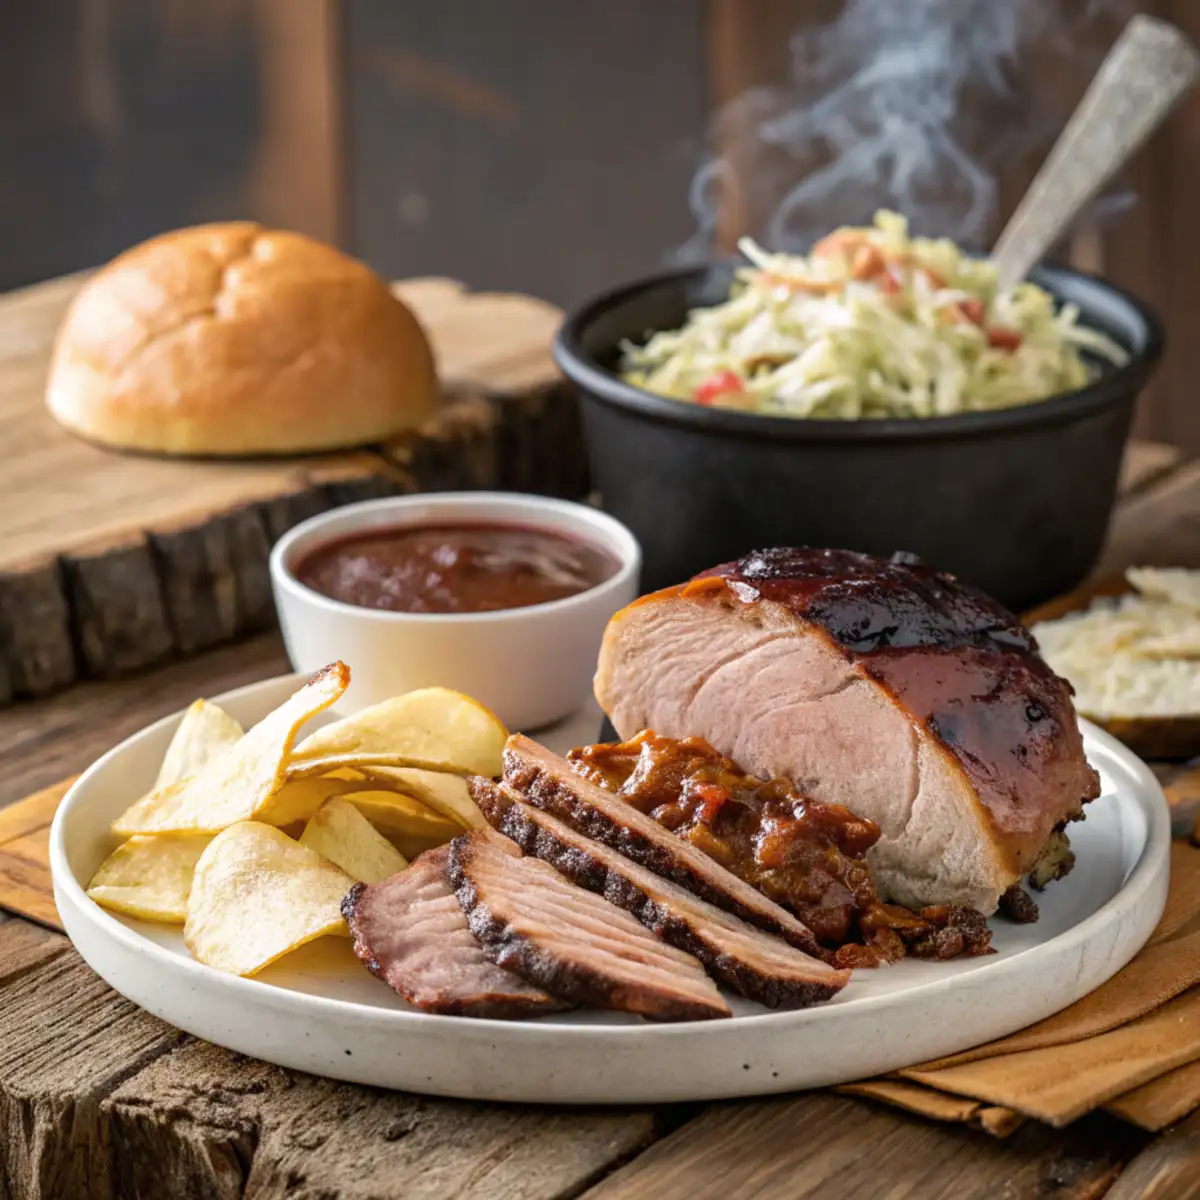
x,y
233,339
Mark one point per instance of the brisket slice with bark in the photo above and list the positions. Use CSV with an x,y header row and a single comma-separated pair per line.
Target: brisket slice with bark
x,y
410,931
548,782
758,965
530,920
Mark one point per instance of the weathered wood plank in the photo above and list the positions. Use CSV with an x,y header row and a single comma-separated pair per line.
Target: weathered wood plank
x,y
66,1041
463,153
206,1123
1145,462
299,177
1138,254
1168,1169
1183,795
245,121
822,1145
24,947
100,1101
1176,299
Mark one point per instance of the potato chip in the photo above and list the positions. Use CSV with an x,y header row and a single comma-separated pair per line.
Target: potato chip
x,y
446,794
344,836
396,815
203,733
149,877
258,894
413,846
300,799
435,729
236,783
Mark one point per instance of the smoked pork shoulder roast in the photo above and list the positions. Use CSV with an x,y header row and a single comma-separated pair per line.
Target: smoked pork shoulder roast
x,y
911,698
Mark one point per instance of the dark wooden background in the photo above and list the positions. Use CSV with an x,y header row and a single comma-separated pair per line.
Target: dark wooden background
x,y
533,145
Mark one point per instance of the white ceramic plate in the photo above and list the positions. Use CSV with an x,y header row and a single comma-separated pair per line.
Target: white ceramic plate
x,y
319,1010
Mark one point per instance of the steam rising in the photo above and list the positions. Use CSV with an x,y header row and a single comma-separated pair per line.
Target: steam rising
x,y
916,105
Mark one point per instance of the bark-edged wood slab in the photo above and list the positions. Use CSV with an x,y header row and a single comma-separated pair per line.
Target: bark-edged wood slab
x,y
111,563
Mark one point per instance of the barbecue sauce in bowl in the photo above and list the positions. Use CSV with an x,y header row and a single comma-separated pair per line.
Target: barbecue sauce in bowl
x,y
453,568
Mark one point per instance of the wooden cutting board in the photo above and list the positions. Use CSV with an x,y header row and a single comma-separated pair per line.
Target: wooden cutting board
x,y
111,562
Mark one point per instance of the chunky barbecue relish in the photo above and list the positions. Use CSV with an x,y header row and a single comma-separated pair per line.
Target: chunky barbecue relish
x,y
807,857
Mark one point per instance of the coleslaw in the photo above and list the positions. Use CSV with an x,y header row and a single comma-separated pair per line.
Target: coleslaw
x,y
872,323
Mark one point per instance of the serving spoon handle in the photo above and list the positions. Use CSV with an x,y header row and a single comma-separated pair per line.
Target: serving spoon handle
x,y
1149,69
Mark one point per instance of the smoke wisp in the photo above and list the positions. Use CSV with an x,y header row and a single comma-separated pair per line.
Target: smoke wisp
x,y
915,105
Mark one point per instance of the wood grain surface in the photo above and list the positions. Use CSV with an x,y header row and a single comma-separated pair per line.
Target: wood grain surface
x,y
816,1146
110,563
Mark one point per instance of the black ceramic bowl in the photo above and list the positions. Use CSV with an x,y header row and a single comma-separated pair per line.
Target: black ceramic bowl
x,y
1015,500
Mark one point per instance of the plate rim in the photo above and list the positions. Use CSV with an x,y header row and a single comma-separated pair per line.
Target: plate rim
x,y
1154,857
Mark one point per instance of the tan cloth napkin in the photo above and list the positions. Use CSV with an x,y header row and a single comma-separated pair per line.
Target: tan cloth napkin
x,y
1132,1046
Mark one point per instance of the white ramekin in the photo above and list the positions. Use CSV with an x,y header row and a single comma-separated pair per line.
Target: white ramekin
x,y
531,666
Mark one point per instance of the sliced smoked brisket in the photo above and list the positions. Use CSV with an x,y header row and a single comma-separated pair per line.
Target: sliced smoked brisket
x,y
530,920
548,782
411,932
756,964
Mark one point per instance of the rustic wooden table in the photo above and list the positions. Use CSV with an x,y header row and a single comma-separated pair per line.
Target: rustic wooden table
x,y
101,1100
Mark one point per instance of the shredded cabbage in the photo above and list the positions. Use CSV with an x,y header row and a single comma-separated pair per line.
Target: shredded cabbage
x,y
872,323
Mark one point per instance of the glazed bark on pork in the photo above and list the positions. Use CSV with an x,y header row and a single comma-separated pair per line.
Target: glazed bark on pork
x,y
879,684
807,857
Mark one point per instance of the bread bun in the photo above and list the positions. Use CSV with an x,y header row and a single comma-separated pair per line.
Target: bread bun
x,y
234,339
